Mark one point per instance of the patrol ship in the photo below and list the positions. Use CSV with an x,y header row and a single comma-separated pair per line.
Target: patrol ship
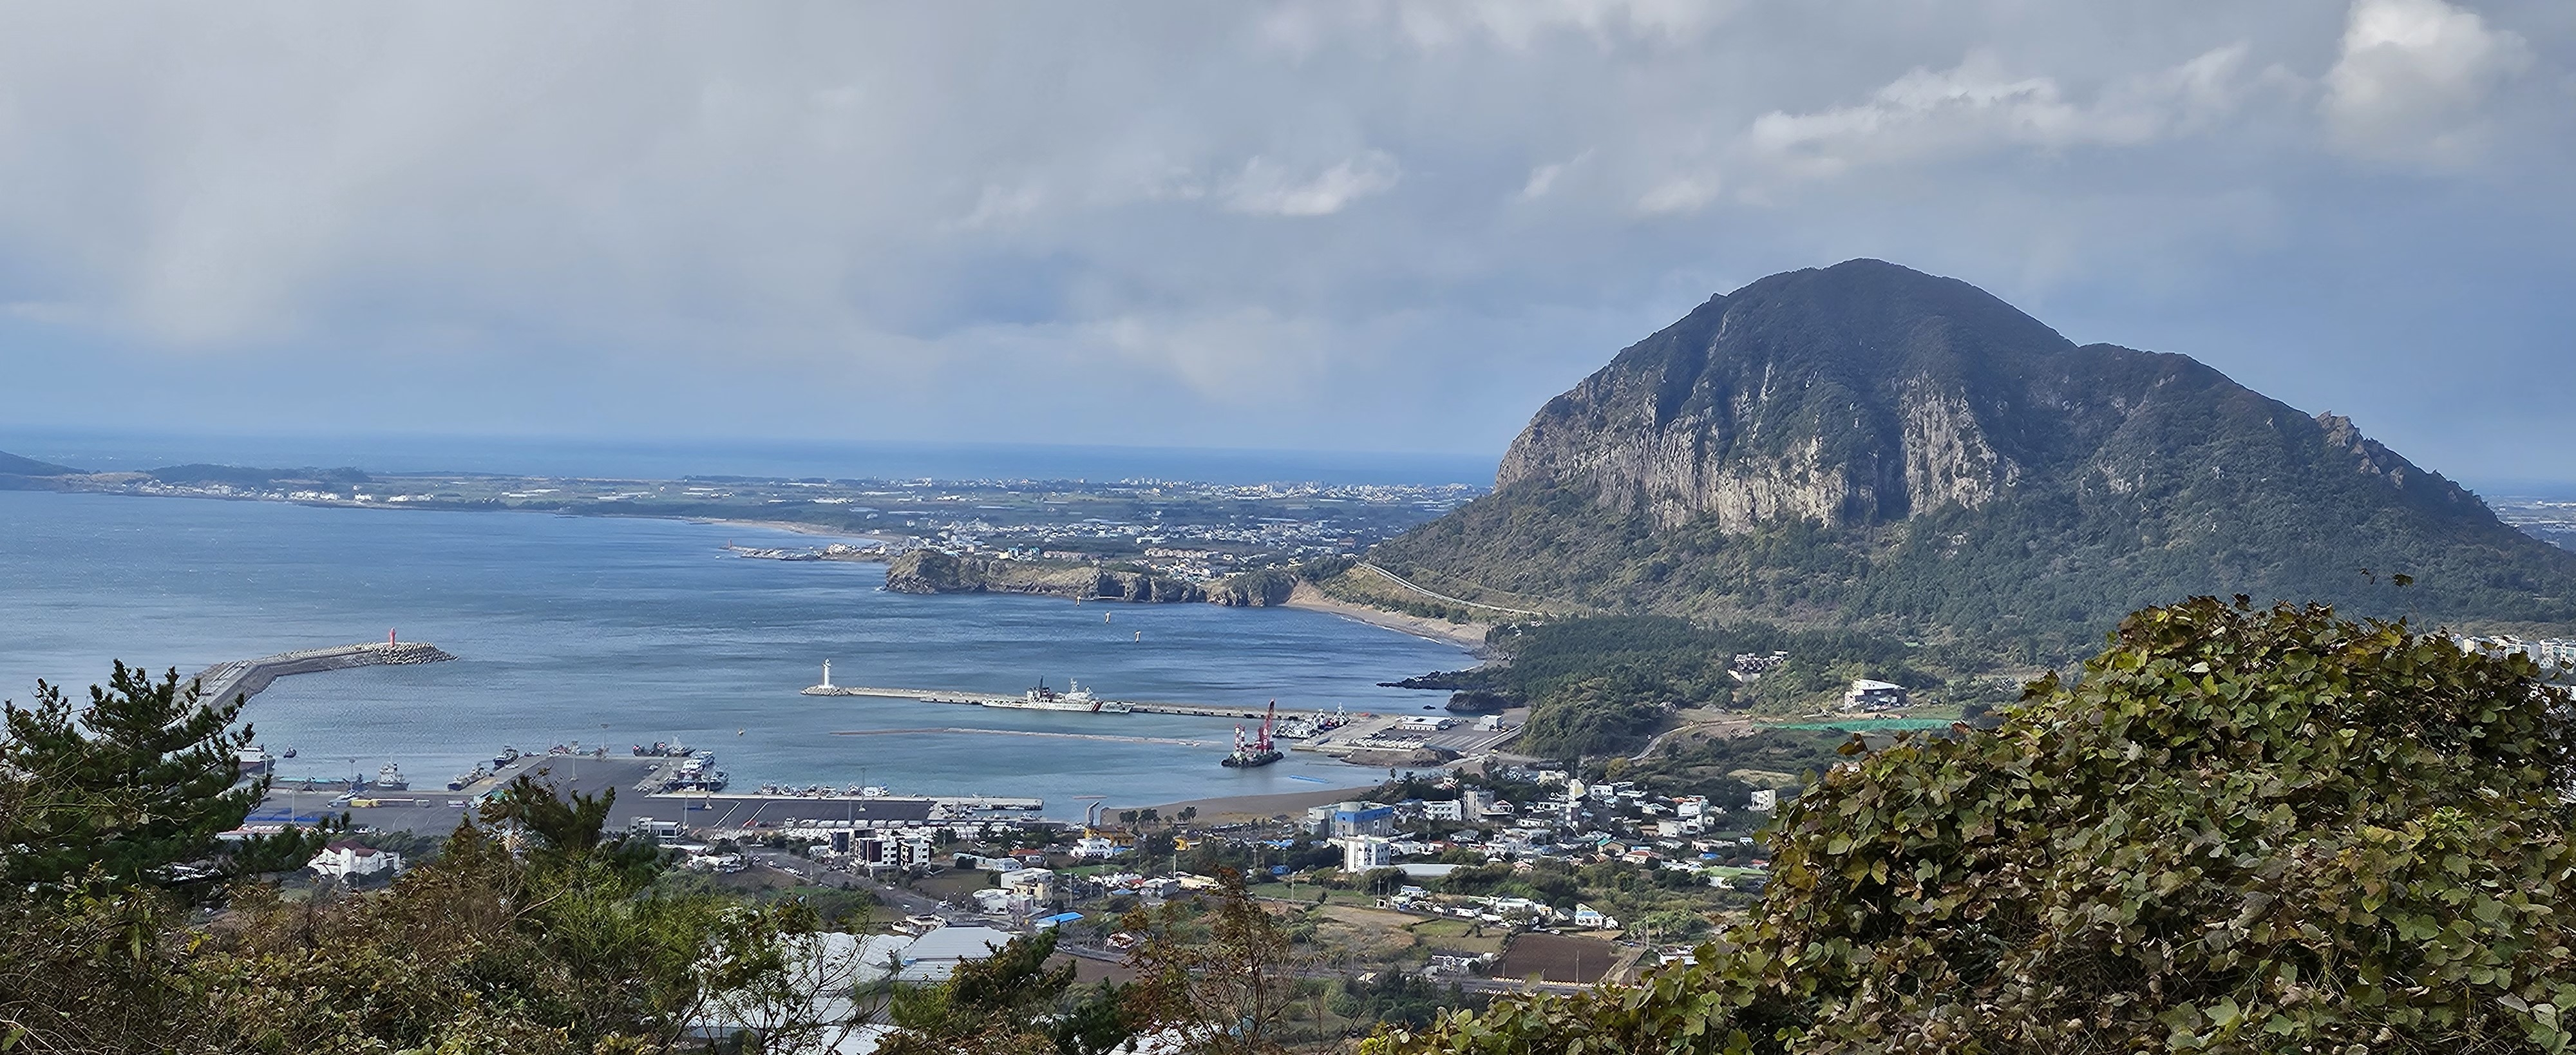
x,y
1075,698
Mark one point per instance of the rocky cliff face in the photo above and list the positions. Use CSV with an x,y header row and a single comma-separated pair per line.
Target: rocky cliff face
x,y
930,571
1857,394
1951,459
1866,393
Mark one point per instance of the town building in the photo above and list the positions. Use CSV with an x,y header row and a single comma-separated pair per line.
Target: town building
x,y
1345,819
1365,853
1867,695
343,859
934,956
1037,884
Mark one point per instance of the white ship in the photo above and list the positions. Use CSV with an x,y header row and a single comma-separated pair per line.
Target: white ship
x,y
1075,698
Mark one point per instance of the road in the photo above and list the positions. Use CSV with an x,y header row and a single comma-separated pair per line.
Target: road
x,y
1437,596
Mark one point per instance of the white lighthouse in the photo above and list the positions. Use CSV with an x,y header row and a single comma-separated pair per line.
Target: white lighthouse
x,y
825,689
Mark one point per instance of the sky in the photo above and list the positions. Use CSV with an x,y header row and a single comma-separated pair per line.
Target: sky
x,y
1382,226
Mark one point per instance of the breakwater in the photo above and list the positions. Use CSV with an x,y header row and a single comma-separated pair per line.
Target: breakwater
x,y
982,699
248,677
1110,738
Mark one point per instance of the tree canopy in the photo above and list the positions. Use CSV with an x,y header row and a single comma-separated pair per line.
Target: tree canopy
x,y
141,778
2239,830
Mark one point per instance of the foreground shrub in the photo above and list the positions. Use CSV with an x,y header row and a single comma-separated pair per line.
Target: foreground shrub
x,y
2241,830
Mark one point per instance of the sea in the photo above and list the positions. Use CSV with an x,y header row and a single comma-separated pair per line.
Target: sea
x,y
617,632
665,459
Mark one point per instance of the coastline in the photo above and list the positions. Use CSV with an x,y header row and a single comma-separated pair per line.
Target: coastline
x,y
790,526
1469,636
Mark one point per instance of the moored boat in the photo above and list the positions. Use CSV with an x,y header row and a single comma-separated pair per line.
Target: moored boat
x,y
1257,751
1043,698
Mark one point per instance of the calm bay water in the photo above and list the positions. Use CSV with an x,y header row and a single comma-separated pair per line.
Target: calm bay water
x,y
621,631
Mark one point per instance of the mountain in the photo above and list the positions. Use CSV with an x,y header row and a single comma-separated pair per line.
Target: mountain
x,y
1870,444
13,465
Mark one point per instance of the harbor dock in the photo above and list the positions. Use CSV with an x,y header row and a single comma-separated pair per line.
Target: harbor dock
x,y
638,783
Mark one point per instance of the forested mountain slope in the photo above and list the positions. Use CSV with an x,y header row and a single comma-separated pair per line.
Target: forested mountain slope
x,y
1869,443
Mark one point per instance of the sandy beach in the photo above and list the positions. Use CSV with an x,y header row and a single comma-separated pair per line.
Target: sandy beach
x,y
1469,636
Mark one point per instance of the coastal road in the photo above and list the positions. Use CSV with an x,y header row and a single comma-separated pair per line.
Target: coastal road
x,y
1437,596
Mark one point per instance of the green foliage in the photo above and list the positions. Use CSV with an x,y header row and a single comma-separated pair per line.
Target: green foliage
x,y
1011,1002
562,950
566,948
1322,568
139,779
1605,683
84,971
2243,830
1397,998
1222,974
1704,767
572,828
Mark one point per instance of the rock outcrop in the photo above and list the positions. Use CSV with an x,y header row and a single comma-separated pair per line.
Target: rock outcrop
x,y
1865,440
931,571
1266,588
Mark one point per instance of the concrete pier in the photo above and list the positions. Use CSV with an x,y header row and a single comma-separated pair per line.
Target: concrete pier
x,y
432,809
248,677
1253,712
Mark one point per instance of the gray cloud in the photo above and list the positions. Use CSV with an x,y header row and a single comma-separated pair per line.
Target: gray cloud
x,y
2413,77
1367,224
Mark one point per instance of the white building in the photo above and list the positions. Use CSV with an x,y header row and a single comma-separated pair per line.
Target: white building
x,y
1037,884
1765,800
1365,852
1867,695
343,859
934,956
889,851
1443,810
1096,848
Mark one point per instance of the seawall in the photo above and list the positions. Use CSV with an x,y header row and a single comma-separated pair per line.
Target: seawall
x,y
248,677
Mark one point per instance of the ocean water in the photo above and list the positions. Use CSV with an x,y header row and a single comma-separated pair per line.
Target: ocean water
x,y
667,459
623,631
